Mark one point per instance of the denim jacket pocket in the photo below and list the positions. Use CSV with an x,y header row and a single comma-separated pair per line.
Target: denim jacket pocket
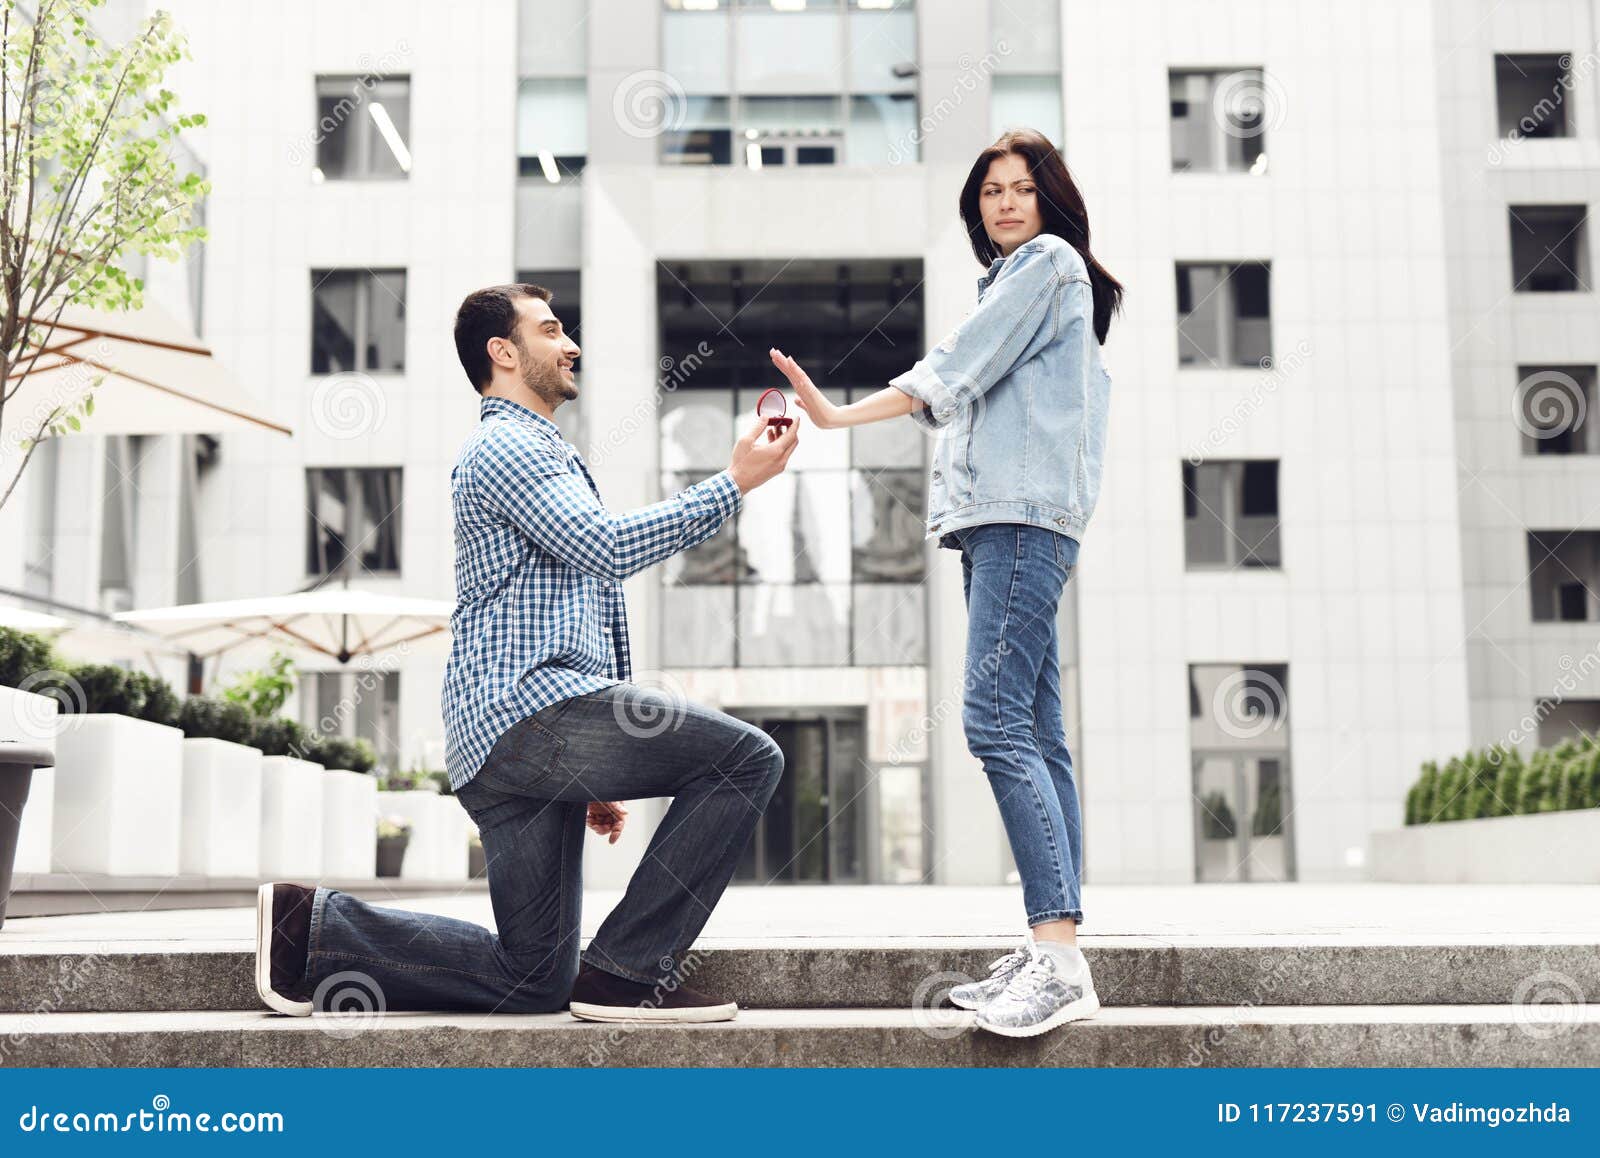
x,y
523,758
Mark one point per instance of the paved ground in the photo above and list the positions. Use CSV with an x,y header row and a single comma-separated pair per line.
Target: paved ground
x,y
1217,914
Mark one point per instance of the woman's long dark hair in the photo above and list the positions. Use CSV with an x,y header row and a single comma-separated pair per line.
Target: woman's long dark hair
x,y
1060,204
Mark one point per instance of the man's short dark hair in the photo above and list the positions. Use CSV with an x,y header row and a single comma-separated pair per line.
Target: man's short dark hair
x,y
484,314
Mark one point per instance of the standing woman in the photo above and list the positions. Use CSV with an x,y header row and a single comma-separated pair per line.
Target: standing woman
x,y
1018,395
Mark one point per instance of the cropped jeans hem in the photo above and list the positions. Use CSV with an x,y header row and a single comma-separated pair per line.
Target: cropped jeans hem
x,y
1055,915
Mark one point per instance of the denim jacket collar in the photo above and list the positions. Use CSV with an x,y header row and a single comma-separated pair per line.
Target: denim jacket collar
x,y
992,273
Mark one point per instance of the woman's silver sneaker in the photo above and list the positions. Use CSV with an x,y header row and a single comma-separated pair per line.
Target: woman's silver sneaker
x,y
973,994
1053,988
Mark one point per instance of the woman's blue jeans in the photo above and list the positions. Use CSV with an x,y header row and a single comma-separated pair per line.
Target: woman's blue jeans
x,y
1012,575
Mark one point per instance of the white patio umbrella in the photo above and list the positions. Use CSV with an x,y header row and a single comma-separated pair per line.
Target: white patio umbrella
x,y
88,639
339,623
158,377
21,619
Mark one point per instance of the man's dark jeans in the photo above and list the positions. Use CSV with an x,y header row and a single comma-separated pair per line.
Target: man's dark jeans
x,y
529,802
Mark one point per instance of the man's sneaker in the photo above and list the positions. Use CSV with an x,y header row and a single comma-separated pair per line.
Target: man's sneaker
x,y
283,936
601,996
1053,988
973,994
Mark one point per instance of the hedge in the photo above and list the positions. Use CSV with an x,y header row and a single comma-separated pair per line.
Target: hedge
x,y
1498,781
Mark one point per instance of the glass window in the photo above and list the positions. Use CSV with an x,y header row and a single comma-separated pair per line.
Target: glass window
x,y
1530,95
356,703
888,510
552,128
1555,409
814,83
353,520
1026,102
1549,249
363,124
1224,314
704,135
1564,576
837,541
1219,120
358,320
1230,512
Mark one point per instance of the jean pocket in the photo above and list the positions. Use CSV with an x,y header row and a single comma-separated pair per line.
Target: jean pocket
x,y
523,758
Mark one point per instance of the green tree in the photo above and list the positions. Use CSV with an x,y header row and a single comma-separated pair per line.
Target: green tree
x,y
263,691
88,181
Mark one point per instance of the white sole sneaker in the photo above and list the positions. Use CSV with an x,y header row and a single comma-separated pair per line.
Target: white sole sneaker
x,y
629,1013
273,999
1086,1006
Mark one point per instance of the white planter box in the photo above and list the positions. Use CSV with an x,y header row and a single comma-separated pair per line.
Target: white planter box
x,y
349,825
38,817
438,847
32,719
118,796
1545,848
291,819
221,809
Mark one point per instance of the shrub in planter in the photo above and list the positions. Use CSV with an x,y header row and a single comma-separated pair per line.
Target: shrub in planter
x,y
1534,793
160,704
204,718
23,655
280,736
344,752
1508,778
107,689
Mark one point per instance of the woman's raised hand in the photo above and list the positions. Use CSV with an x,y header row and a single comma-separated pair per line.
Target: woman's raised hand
x,y
824,414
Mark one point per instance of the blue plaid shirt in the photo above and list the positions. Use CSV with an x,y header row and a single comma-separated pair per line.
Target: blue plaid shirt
x,y
540,562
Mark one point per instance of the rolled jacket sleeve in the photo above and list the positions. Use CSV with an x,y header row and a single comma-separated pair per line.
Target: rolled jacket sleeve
x,y
1016,317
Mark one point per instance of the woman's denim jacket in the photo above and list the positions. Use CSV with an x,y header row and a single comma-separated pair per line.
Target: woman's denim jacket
x,y
1018,395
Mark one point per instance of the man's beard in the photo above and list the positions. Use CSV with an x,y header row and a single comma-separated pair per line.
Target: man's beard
x,y
547,382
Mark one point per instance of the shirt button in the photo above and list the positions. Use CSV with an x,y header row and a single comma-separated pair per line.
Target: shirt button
x,y
937,475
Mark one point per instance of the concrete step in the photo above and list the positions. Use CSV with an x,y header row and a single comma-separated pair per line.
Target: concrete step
x,y
1312,1035
903,973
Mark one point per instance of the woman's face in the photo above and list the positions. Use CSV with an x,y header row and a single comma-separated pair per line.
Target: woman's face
x,y
1009,202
